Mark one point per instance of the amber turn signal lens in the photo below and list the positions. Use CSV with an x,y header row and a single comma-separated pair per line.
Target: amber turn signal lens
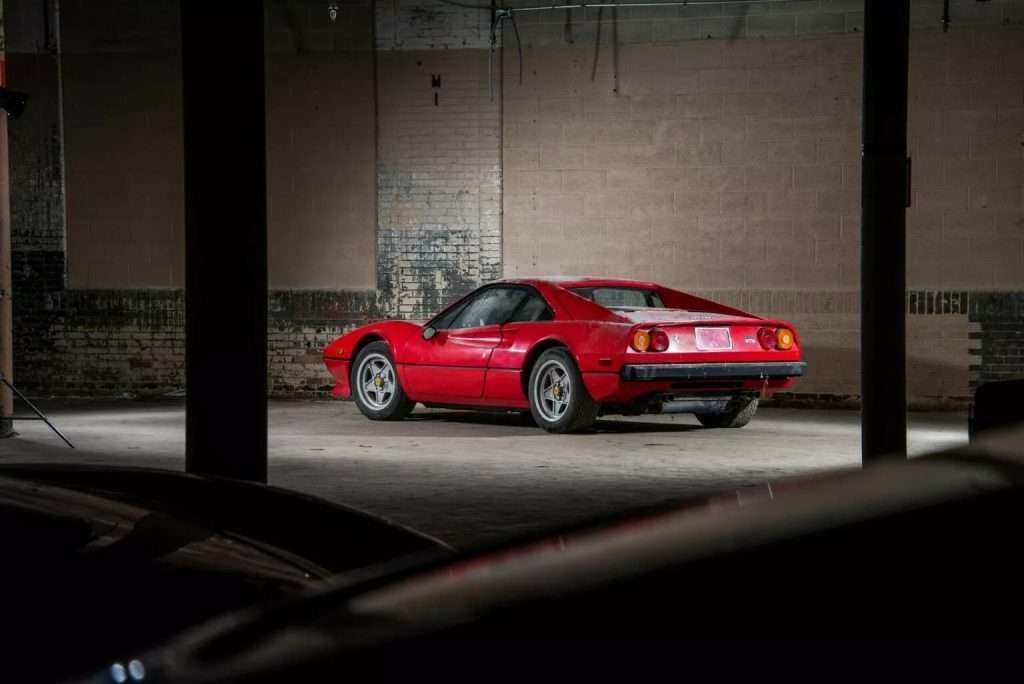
x,y
784,339
641,340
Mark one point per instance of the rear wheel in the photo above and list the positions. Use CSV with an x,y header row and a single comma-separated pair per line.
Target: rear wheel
x,y
736,415
375,386
559,401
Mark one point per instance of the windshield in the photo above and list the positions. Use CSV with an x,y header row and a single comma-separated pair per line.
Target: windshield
x,y
620,297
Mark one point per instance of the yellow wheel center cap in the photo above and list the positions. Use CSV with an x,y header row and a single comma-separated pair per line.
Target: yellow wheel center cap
x,y
378,381
557,391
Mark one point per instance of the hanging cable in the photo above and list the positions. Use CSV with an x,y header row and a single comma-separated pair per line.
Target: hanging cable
x,y
493,46
615,49
464,5
499,14
519,46
599,5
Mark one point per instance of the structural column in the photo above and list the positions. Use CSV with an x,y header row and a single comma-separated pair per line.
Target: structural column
x,y
883,230
6,306
225,238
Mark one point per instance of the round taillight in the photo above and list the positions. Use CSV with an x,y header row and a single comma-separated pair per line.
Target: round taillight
x,y
659,340
784,339
766,336
641,340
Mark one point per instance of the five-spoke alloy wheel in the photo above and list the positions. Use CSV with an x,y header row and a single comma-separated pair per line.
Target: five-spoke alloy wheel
x,y
375,385
559,401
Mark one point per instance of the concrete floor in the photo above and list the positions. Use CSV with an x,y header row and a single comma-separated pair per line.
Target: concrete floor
x,y
470,478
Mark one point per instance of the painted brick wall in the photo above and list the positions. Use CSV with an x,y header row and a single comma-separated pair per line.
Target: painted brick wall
x,y
438,178
321,147
37,211
121,69
127,340
131,342
713,147
717,148
427,25
123,142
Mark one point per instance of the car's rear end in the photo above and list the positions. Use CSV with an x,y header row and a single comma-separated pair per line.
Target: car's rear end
x,y
703,360
713,363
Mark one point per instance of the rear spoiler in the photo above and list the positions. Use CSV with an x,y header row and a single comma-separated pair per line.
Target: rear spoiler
x,y
674,299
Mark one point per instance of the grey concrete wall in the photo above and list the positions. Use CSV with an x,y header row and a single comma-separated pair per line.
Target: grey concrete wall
x,y
321,147
124,155
124,173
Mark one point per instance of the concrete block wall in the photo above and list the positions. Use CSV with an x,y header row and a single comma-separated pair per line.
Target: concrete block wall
x,y
713,147
98,305
438,178
321,147
432,182
717,149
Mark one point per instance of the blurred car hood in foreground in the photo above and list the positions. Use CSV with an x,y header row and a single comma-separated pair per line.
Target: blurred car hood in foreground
x,y
922,549
97,558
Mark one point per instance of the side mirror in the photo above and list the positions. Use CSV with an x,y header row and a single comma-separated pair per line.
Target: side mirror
x,y
429,332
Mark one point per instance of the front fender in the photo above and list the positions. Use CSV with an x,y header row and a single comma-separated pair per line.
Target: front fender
x,y
339,354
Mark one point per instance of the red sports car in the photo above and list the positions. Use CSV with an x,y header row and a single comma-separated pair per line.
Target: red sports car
x,y
569,350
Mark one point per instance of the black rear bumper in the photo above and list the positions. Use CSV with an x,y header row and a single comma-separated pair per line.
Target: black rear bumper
x,y
712,371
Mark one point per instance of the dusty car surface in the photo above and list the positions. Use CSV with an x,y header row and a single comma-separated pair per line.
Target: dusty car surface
x,y
568,350
97,558
917,551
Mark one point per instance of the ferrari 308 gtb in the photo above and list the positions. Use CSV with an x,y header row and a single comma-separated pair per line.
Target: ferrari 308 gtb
x,y
568,350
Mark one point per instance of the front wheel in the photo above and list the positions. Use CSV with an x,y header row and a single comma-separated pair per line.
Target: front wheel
x,y
375,386
559,401
738,414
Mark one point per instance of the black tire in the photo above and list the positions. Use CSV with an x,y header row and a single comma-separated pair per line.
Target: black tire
x,y
578,412
737,415
393,405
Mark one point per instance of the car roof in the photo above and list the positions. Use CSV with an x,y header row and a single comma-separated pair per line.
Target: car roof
x,y
569,282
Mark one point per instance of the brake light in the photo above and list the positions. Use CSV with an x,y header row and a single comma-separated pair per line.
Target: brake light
x,y
784,339
659,340
641,340
766,336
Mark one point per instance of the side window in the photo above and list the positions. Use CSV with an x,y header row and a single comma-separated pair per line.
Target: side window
x,y
531,310
444,321
491,307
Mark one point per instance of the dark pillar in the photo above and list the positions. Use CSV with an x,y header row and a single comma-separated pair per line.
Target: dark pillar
x,y
225,238
883,230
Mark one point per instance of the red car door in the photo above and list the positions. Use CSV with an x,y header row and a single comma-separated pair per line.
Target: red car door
x,y
451,366
531,321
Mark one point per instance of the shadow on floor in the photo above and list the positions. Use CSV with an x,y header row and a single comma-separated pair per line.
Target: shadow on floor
x,y
522,420
633,427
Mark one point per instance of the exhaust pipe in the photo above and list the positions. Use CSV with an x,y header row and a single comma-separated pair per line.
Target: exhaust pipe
x,y
696,405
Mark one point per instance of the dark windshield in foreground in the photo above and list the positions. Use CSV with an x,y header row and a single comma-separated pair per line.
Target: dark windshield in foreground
x,y
621,296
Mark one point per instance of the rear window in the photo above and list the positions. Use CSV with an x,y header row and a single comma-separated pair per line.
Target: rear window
x,y
621,297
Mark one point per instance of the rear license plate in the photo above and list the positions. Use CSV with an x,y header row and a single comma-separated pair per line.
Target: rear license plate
x,y
713,339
